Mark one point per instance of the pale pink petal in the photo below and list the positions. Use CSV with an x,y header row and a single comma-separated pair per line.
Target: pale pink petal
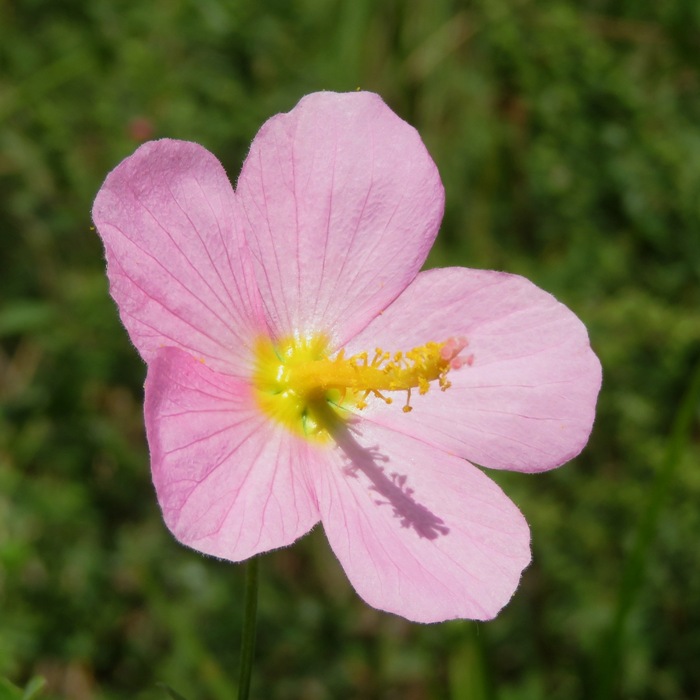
x,y
342,202
526,403
229,482
177,264
420,533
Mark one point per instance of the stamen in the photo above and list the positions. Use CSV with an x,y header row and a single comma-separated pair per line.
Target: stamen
x,y
386,399
400,371
408,408
297,381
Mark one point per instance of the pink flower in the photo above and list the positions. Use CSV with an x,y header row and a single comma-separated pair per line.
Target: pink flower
x,y
302,369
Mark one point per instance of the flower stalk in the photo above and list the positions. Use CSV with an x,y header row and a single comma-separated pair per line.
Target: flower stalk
x,y
250,611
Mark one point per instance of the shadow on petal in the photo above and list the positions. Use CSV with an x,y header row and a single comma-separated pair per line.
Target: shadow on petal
x,y
391,487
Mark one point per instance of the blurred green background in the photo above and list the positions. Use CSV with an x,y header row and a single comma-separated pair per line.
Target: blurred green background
x,y
568,138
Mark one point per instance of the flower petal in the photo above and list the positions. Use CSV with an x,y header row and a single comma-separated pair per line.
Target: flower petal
x,y
177,265
343,203
229,484
528,401
420,533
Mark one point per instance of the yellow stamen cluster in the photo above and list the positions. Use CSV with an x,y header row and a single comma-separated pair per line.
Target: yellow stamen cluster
x,y
299,385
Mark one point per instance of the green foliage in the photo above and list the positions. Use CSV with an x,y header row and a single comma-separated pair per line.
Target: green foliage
x,y
567,138
9,691
173,694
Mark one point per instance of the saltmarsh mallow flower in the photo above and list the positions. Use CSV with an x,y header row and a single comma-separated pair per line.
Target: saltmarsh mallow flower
x,y
301,367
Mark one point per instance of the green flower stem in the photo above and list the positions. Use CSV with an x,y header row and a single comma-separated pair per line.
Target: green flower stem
x,y
249,626
633,572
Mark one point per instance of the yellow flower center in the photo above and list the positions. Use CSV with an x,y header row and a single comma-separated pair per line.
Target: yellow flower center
x,y
299,385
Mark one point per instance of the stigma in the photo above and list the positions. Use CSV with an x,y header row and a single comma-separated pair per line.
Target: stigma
x,y
299,384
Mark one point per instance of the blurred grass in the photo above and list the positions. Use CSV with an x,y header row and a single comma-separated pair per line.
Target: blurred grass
x,y
567,138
